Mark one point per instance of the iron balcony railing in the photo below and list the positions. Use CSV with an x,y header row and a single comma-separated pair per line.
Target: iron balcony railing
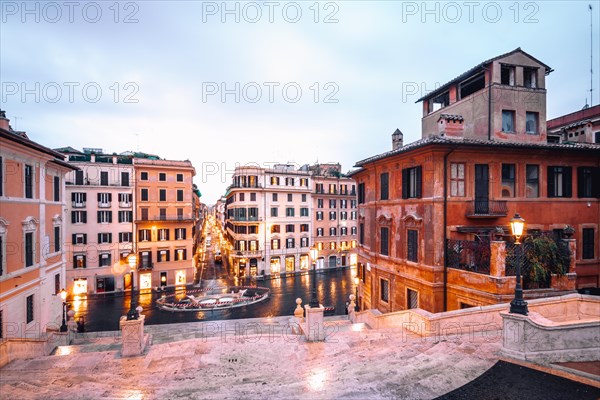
x,y
487,208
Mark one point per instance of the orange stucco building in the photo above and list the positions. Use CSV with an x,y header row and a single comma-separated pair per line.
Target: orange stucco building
x,y
32,227
450,196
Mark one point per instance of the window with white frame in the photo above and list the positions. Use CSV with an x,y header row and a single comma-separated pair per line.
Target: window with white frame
x,y
125,199
29,230
104,199
104,237
457,179
79,238
332,231
163,234
104,217
79,261
290,243
125,237
144,235
78,217
125,216
180,233
304,242
319,232
319,215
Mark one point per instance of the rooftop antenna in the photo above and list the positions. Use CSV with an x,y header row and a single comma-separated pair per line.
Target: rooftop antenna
x,y
591,57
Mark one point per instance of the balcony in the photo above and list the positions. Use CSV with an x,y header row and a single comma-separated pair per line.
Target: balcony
x,y
169,218
125,204
78,205
487,209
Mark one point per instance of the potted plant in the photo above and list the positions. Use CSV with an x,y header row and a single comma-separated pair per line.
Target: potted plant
x,y
568,231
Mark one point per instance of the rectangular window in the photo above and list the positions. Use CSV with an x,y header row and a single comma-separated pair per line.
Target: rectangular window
x,y
29,308
79,177
361,193
162,177
242,197
56,238
344,215
145,259
180,233
384,290
179,177
384,186
78,217
179,194
103,178
384,241
588,244
143,176
412,253
253,213
275,244
531,123
274,211
332,215
290,243
162,214
29,249
532,189
124,178
28,181
332,203
559,181
163,256
274,197
104,199
162,194
588,182
412,299
508,180
163,234
125,199
57,284
319,215
56,188
289,228
144,235
457,179
105,259
290,197
104,238
361,235
252,196
78,200
411,182
319,232
303,197
79,261
274,180
507,75
125,237
289,212
275,228
144,216
2,255
79,238
319,188
253,229
530,77
304,211
144,194
104,217
508,121
180,214
1,185
304,242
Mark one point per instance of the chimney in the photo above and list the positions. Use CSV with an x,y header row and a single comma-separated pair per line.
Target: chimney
x,y
4,122
397,140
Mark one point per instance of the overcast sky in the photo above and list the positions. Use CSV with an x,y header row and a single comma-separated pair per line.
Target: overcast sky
x,y
264,82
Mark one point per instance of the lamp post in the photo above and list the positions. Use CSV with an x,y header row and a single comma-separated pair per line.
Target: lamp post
x,y
356,281
314,302
518,305
63,296
133,312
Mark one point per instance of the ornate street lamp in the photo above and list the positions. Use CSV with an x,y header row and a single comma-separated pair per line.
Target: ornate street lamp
x,y
356,281
518,305
133,312
314,302
63,296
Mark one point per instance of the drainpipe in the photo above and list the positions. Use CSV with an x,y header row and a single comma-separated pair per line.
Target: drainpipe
x,y
489,103
445,229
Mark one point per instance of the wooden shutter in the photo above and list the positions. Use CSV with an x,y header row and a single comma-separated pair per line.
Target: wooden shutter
x,y
405,183
568,182
85,238
419,176
551,186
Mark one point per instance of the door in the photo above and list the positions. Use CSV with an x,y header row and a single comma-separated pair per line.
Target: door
x,y
481,189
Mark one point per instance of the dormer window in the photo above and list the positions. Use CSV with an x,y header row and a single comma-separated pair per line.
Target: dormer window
x,y
507,75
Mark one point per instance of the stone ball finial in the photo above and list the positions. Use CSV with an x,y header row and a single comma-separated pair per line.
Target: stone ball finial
x,y
352,297
298,301
139,309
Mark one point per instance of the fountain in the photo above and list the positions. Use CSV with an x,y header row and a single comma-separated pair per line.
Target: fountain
x,y
218,298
